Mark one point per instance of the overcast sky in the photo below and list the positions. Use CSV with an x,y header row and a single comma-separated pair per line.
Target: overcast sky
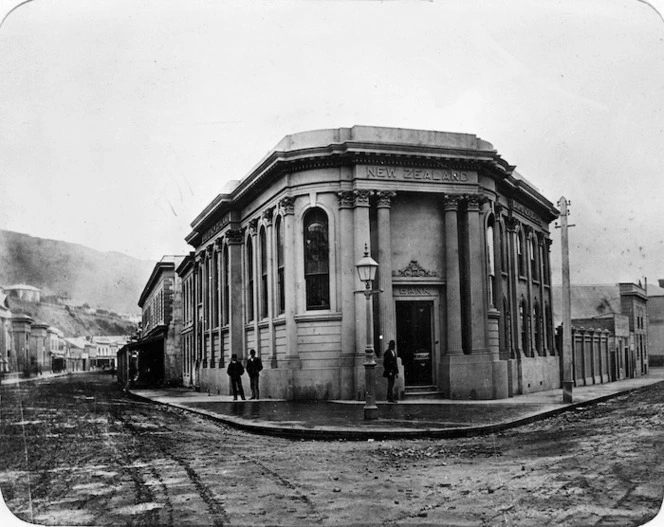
x,y
120,120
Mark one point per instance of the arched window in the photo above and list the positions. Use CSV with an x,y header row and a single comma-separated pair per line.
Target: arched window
x,y
537,323
264,288
548,334
316,259
250,280
503,249
506,325
534,274
491,264
545,264
216,291
281,300
523,315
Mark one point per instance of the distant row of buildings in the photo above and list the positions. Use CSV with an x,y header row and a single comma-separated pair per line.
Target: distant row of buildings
x,y
461,242
31,348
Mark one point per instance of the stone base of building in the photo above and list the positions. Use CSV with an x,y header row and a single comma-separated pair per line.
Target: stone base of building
x,y
293,383
537,374
475,376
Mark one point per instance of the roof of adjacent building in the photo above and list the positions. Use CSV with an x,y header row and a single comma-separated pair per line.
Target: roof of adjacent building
x,y
588,301
167,262
78,342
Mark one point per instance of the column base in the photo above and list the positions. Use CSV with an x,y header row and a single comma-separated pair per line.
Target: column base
x,y
568,388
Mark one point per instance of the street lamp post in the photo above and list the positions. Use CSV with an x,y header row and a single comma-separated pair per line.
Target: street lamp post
x,y
366,270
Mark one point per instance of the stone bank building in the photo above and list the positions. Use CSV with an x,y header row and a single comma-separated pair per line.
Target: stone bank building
x,y
461,239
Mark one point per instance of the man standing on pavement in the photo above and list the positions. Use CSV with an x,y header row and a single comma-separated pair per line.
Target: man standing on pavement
x,y
254,366
235,371
390,370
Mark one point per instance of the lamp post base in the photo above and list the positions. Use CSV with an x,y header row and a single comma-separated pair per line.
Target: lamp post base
x,y
370,412
370,408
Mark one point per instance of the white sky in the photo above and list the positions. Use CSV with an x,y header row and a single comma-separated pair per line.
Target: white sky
x,y
120,120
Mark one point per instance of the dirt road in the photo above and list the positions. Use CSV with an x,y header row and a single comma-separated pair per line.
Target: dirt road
x,y
78,451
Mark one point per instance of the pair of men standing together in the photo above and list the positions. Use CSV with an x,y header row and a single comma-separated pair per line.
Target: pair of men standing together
x,y
235,371
254,366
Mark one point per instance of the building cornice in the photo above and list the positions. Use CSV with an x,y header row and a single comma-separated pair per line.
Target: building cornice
x,y
369,145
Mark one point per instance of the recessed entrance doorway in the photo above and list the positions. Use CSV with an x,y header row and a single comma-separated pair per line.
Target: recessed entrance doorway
x,y
414,341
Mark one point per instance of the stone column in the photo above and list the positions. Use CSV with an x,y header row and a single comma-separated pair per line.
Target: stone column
x,y
511,226
290,286
477,276
271,351
253,233
210,302
219,247
386,314
452,276
235,301
197,314
362,239
347,274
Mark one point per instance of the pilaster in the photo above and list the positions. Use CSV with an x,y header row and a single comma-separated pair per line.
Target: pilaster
x,y
287,205
347,284
452,276
235,302
387,316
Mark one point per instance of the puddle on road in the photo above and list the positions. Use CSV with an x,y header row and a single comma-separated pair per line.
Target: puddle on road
x,y
138,509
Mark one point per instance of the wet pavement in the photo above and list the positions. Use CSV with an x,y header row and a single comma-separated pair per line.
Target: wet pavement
x,y
409,418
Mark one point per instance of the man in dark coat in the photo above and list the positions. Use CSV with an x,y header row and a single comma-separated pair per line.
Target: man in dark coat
x,y
235,371
254,367
390,370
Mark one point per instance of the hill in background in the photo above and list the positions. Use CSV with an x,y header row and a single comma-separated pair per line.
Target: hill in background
x,y
75,321
107,280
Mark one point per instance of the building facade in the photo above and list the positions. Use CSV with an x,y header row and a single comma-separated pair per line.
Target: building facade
x,y
156,357
622,311
461,239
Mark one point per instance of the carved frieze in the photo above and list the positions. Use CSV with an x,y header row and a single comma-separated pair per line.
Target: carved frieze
x,y
413,270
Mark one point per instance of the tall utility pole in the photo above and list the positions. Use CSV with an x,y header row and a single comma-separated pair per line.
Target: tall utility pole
x,y
568,382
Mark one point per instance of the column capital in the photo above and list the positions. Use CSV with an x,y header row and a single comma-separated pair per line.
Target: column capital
x,y
362,197
234,236
346,199
511,223
498,208
219,242
287,204
267,216
451,201
385,198
199,257
473,201
209,249
253,225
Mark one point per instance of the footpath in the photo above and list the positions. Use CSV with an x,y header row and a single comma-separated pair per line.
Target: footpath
x,y
410,418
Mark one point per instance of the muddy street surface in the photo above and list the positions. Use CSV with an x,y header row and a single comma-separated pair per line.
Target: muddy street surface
x,y
76,450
